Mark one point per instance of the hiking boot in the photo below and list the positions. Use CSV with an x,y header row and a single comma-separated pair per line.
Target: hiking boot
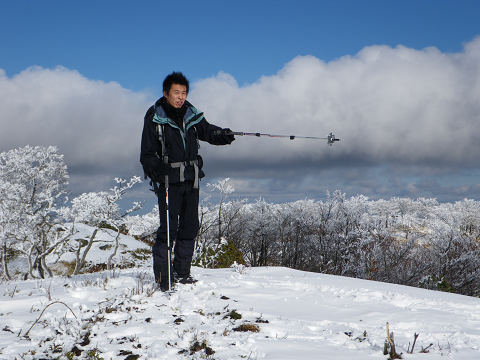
x,y
164,286
187,279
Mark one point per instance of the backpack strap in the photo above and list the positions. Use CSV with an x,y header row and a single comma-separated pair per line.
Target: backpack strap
x,y
161,138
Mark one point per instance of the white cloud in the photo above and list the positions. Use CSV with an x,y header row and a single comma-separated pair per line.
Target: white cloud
x,y
96,125
386,104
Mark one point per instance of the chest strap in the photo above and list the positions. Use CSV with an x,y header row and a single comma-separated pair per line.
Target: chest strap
x,y
181,165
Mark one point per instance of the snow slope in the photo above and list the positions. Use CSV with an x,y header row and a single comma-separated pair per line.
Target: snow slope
x,y
299,315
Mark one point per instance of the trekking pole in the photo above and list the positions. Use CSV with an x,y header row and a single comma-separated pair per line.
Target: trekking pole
x,y
169,251
331,139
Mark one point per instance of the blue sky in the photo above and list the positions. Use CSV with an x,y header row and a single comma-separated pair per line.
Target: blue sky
x,y
104,62
136,42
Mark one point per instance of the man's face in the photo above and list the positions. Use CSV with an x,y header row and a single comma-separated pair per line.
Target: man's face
x,y
176,96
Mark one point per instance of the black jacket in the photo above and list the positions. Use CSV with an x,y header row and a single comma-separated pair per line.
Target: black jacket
x,y
181,128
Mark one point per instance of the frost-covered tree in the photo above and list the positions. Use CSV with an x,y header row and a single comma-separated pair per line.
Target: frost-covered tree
x,y
219,224
224,187
99,210
144,227
9,219
454,247
257,236
33,181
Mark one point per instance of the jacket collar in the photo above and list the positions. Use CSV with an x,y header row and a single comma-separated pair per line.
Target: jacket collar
x,y
191,116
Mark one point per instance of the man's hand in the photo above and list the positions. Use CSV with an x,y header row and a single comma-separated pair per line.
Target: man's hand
x,y
157,170
227,135
158,174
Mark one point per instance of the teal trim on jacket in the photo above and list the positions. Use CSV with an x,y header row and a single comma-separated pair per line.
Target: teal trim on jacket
x,y
191,118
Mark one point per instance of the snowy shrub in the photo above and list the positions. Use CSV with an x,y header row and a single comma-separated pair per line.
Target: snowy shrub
x,y
32,183
226,217
239,268
98,209
228,255
218,223
214,255
144,227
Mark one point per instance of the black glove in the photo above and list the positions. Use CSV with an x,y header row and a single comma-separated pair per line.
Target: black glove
x,y
199,162
227,136
156,170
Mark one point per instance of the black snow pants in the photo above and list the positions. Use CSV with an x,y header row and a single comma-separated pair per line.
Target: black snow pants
x,y
184,225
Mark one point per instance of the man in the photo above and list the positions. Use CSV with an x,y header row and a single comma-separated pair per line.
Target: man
x,y
169,152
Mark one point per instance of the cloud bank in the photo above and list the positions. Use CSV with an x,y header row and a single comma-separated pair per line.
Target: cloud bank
x,y
392,105
95,124
407,120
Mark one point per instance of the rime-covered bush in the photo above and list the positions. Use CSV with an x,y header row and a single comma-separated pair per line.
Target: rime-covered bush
x,y
33,182
215,255
144,227
99,210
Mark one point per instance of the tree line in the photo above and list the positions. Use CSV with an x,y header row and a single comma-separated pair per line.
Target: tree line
x,y
415,242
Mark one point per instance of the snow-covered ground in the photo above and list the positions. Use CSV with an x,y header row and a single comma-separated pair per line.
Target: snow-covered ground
x,y
299,315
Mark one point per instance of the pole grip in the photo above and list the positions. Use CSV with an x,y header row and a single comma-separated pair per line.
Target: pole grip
x,y
238,133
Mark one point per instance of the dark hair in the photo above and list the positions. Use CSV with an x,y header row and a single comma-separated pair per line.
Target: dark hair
x,y
175,78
